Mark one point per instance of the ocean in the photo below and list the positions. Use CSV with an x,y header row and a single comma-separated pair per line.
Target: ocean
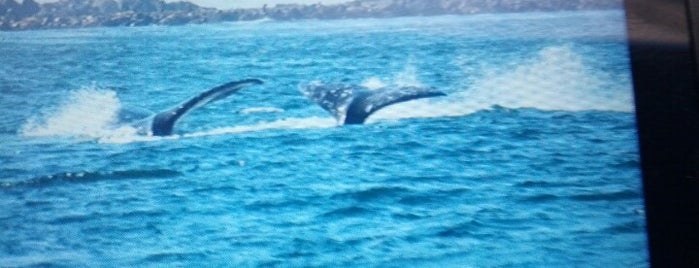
x,y
530,160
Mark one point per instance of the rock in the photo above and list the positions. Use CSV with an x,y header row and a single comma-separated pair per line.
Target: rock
x,y
27,9
7,7
11,10
90,13
105,6
174,19
142,6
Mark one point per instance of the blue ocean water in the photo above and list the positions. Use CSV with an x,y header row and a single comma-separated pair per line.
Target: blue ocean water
x,y
531,159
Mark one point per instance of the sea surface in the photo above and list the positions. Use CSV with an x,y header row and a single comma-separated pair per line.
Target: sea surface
x,y
531,160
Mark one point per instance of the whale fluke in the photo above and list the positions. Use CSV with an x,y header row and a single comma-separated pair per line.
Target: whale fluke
x,y
164,122
352,104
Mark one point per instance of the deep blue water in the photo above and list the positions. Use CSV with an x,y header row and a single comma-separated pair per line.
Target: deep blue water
x,y
531,159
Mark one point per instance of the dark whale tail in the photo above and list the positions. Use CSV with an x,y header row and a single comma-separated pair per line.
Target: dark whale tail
x,y
164,122
352,104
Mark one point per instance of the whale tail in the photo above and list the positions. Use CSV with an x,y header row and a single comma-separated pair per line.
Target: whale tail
x,y
353,104
163,123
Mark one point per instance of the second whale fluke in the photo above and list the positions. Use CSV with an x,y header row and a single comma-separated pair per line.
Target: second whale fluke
x,y
353,104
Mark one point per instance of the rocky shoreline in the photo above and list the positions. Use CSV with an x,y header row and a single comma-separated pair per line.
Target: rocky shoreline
x,y
29,15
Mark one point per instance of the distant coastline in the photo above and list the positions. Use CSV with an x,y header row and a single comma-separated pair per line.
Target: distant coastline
x,y
29,15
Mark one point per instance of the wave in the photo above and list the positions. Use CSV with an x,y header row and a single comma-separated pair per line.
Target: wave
x,y
609,196
345,212
83,176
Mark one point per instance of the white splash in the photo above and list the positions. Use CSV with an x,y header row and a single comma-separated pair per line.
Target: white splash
x,y
556,79
408,77
253,110
373,83
88,112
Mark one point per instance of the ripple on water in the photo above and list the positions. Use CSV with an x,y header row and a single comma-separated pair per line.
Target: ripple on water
x,y
346,212
373,193
608,196
86,177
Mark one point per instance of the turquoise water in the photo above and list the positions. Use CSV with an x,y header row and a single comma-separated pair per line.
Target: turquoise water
x,y
530,160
